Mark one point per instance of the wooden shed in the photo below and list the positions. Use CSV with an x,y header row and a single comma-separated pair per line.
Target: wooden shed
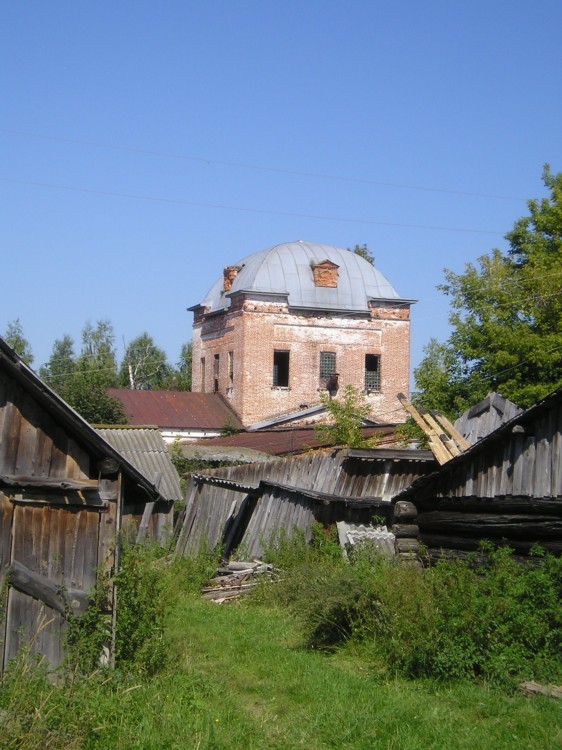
x,y
65,494
246,504
506,488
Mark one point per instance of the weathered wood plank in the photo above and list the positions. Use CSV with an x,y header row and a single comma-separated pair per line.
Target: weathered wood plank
x,y
54,483
76,499
491,525
145,520
39,587
27,444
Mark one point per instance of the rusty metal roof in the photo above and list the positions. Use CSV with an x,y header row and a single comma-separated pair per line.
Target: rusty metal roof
x,y
180,410
284,442
145,449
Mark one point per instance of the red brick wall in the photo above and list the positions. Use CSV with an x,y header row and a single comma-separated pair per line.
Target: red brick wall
x,y
257,328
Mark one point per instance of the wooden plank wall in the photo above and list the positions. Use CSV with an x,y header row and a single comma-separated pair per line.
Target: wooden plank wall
x,y
61,544
277,509
31,444
60,535
209,508
523,464
509,493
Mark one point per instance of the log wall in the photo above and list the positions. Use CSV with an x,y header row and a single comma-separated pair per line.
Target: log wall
x,y
508,490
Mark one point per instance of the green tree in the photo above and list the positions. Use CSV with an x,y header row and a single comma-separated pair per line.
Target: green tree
x,y
506,317
91,374
16,339
180,377
144,365
61,366
363,251
346,416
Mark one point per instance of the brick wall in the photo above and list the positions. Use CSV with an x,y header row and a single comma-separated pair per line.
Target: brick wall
x,y
254,329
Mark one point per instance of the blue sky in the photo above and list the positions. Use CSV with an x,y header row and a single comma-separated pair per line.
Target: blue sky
x,y
144,146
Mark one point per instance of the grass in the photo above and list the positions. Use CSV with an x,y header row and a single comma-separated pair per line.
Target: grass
x,y
243,676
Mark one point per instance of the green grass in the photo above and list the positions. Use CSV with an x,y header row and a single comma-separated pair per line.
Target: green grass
x,y
241,676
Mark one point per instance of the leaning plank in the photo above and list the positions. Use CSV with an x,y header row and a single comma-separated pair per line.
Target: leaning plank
x,y
437,447
450,428
449,444
145,520
52,594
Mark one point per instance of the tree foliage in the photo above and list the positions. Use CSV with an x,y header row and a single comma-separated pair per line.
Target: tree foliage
x,y
346,416
61,366
144,365
506,317
83,381
15,337
180,375
363,251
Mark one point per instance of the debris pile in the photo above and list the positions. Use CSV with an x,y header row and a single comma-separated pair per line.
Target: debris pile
x,y
234,579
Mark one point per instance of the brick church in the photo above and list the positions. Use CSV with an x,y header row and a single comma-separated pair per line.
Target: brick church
x,y
284,324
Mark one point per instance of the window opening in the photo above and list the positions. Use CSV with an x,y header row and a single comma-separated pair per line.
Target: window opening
x,y
372,372
281,369
216,373
327,366
202,370
230,369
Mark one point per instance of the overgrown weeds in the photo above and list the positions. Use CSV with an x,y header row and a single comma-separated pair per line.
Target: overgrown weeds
x,y
236,677
456,620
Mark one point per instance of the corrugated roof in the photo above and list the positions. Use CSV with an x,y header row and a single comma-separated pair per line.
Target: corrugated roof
x,y
179,410
286,269
145,449
351,534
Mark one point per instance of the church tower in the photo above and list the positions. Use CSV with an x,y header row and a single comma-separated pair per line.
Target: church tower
x,y
284,324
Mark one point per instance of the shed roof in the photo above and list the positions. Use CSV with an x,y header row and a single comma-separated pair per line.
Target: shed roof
x,y
144,448
176,409
503,432
76,425
282,442
286,269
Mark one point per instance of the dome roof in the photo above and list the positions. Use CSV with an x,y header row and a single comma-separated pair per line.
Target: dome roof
x,y
286,269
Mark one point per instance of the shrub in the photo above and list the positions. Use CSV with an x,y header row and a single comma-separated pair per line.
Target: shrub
x,y
456,620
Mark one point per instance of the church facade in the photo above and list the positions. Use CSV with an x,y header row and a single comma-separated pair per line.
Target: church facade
x,y
287,323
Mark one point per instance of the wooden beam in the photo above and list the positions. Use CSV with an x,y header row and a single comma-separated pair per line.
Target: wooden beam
x,y
48,483
145,520
52,594
437,447
451,446
451,429
74,499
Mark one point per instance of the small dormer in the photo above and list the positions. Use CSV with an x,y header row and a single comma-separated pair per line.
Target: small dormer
x,y
325,274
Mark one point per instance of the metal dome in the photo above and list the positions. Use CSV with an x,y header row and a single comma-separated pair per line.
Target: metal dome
x,y
286,269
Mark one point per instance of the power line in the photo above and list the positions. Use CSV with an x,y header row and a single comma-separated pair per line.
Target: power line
x,y
226,207
255,167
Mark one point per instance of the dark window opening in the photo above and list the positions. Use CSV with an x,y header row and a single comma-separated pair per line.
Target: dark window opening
x,y
216,373
281,369
327,366
372,372
230,369
203,385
